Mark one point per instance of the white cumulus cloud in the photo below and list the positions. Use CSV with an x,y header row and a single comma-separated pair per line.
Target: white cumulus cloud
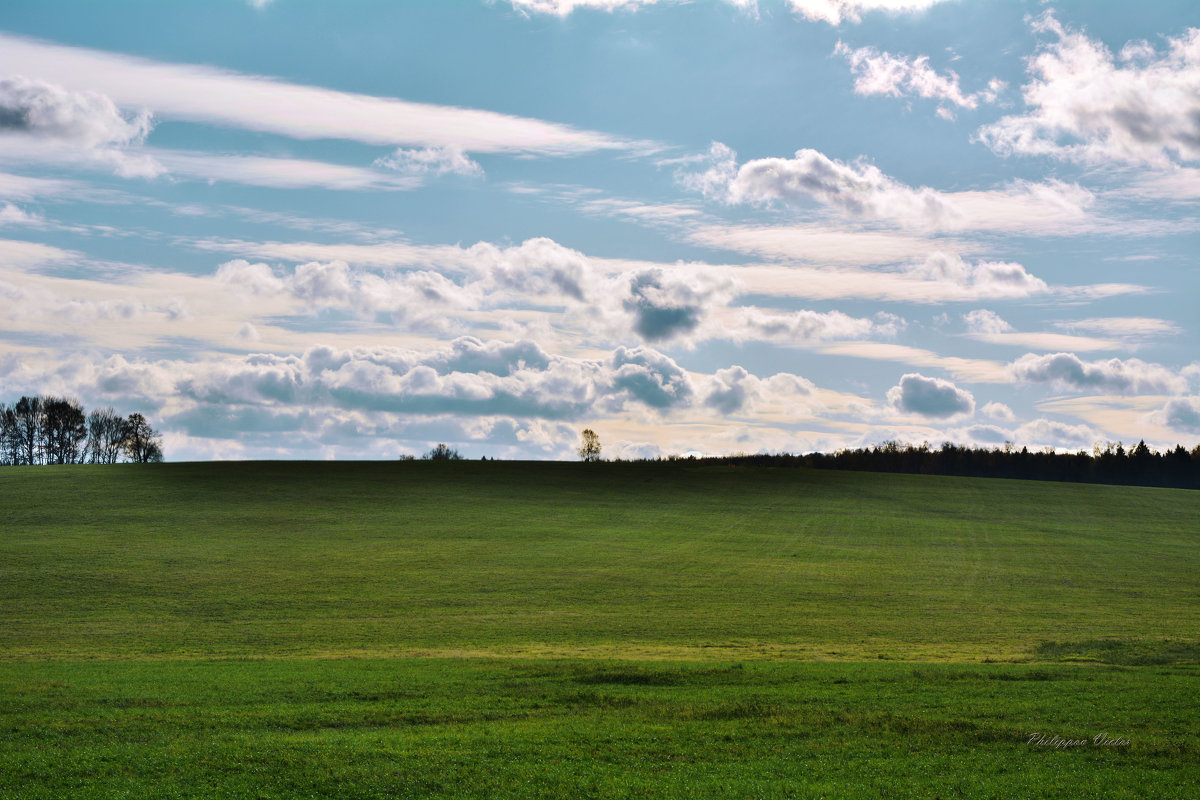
x,y
1113,376
878,72
1083,103
930,397
858,189
837,11
40,118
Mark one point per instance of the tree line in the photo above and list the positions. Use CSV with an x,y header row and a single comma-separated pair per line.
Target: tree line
x,y
57,430
1111,463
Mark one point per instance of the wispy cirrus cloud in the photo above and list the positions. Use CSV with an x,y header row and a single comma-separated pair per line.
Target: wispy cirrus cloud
x,y
222,97
280,173
1134,328
832,11
984,325
25,187
17,254
563,8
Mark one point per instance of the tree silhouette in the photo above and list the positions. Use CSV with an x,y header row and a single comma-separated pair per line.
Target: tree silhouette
x,y
143,444
107,432
64,431
442,453
29,426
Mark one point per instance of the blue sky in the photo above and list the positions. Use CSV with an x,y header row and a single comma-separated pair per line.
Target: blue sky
x,y
297,229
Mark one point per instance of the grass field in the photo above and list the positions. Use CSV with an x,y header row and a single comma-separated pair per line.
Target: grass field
x,y
491,629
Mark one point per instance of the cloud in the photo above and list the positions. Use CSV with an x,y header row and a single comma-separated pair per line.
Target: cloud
x,y
1124,327
648,377
47,111
681,303
987,326
431,160
22,187
71,125
1083,104
12,215
539,267
468,377
468,354
563,8
1046,208
861,192
279,173
837,11
998,411
666,305
1114,376
981,279
930,397
1181,414
1036,435
733,389
816,243
27,306
984,321
1050,433
987,434
796,327
858,190
543,267
209,95
19,255
881,73
421,296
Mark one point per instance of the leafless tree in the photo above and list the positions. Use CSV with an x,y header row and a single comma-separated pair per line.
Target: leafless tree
x,y
29,428
64,431
142,443
107,431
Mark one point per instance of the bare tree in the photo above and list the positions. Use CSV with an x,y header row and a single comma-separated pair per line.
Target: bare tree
x,y
64,431
589,447
107,432
29,428
10,437
142,443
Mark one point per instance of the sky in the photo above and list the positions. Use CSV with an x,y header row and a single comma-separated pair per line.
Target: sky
x,y
291,229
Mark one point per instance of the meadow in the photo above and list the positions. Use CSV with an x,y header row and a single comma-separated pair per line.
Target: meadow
x,y
498,629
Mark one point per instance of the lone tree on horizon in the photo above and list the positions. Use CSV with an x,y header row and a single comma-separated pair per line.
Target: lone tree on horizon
x,y
589,447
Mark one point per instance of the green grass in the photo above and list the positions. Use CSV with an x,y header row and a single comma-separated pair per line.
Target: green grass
x,y
614,630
